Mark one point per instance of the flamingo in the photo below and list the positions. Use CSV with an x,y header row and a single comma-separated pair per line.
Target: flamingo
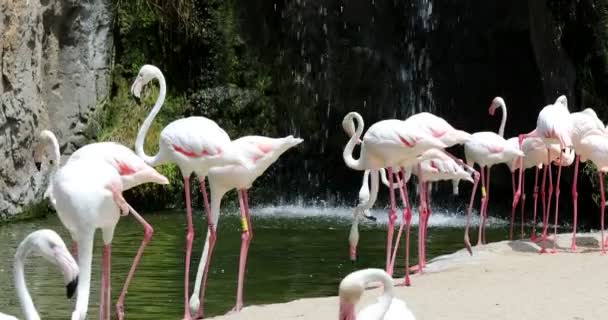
x,y
47,147
535,155
49,245
583,122
553,125
262,152
386,143
195,144
88,194
487,149
387,308
594,147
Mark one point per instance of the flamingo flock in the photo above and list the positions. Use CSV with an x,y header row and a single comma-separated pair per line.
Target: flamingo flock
x,y
86,191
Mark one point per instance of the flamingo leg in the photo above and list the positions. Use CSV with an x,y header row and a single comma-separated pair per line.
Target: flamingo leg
x,y
467,241
557,189
148,232
189,240
405,220
104,282
392,216
523,205
483,204
421,218
548,210
426,222
75,249
210,242
603,206
485,213
513,207
575,201
535,196
544,198
108,251
246,236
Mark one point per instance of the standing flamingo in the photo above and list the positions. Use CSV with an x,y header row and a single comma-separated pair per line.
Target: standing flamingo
x,y
195,144
487,149
387,308
554,125
88,194
535,155
583,122
386,143
49,245
262,152
594,147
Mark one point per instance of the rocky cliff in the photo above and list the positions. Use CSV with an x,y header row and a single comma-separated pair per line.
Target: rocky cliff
x,y
55,70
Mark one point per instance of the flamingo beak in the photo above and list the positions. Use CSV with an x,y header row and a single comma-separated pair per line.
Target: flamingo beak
x,y
353,254
38,165
71,288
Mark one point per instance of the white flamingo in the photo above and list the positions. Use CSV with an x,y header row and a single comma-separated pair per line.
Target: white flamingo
x,y
554,126
487,149
195,144
262,152
88,194
583,122
386,143
387,308
47,146
49,245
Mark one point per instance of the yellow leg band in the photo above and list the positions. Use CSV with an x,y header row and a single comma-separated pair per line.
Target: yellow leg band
x,y
244,225
483,191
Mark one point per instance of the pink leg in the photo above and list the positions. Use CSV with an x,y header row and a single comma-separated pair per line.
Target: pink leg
x,y
559,173
246,236
601,174
483,204
108,248
404,221
392,216
426,222
148,232
575,201
523,206
467,242
544,198
75,249
189,240
533,236
513,207
104,283
548,210
211,229
205,197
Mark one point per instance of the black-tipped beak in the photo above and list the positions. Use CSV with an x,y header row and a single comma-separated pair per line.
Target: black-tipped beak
x,y
137,99
38,165
371,218
71,288
353,260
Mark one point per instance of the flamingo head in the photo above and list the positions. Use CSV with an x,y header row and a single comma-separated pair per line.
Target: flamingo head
x,y
145,75
43,148
353,237
498,102
51,247
562,100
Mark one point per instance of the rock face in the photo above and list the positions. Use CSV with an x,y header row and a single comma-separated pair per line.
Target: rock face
x,y
55,69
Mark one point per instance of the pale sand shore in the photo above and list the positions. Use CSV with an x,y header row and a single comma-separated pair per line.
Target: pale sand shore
x,y
504,280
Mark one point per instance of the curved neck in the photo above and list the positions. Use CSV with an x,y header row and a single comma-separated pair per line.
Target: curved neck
x,y
143,131
85,257
350,146
24,296
503,122
387,295
55,154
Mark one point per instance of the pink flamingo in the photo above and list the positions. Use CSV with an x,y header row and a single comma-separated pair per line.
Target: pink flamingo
x,y
594,147
487,149
88,194
535,155
48,244
195,144
554,125
262,152
386,143
583,122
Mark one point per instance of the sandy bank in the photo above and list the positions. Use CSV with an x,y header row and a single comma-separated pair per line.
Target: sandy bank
x,y
504,280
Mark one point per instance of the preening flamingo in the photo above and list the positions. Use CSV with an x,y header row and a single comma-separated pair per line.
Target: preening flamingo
x,y
195,144
487,149
262,152
386,143
387,308
535,155
553,126
48,244
583,122
88,193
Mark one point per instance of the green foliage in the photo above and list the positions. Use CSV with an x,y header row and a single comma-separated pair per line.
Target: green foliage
x,y
31,211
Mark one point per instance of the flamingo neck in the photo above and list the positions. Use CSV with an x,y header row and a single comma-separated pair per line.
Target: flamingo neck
x,y
24,296
143,131
350,146
503,121
56,153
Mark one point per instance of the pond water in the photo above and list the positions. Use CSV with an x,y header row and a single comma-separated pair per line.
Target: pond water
x,y
297,252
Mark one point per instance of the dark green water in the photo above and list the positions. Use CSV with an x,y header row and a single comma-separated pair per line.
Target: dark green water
x,y
295,253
